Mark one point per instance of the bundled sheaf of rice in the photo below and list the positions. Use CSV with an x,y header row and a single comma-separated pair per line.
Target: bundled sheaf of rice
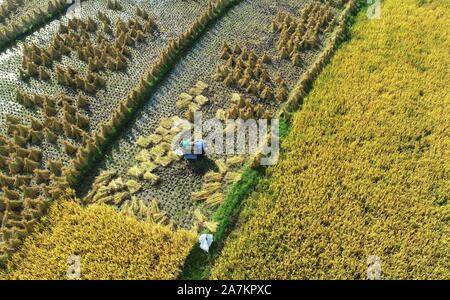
x,y
220,114
222,166
155,138
200,218
105,199
101,196
150,177
200,195
169,138
212,177
166,123
176,129
166,146
148,166
211,226
139,209
144,141
214,200
135,171
116,184
232,177
193,107
120,197
104,178
212,187
183,101
237,160
173,156
199,88
127,208
179,124
162,131
160,150
142,210
164,161
133,186
143,156
155,214
201,100
159,218
135,208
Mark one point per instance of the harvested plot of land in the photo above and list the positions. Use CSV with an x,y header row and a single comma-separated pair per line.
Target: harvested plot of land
x,y
103,101
365,170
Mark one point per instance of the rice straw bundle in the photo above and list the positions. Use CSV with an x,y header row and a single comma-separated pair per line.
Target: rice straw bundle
x,y
133,186
232,177
212,177
214,200
150,177
135,171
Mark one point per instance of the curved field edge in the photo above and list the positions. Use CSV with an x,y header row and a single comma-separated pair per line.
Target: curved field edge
x,y
198,263
366,167
109,246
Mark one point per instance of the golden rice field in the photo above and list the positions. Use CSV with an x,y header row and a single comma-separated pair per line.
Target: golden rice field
x,y
366,166
110,245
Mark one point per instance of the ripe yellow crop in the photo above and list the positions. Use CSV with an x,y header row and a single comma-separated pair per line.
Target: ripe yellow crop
x,y
366,167
109,245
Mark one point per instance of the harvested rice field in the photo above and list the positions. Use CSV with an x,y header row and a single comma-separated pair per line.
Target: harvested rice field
x,y
133,133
